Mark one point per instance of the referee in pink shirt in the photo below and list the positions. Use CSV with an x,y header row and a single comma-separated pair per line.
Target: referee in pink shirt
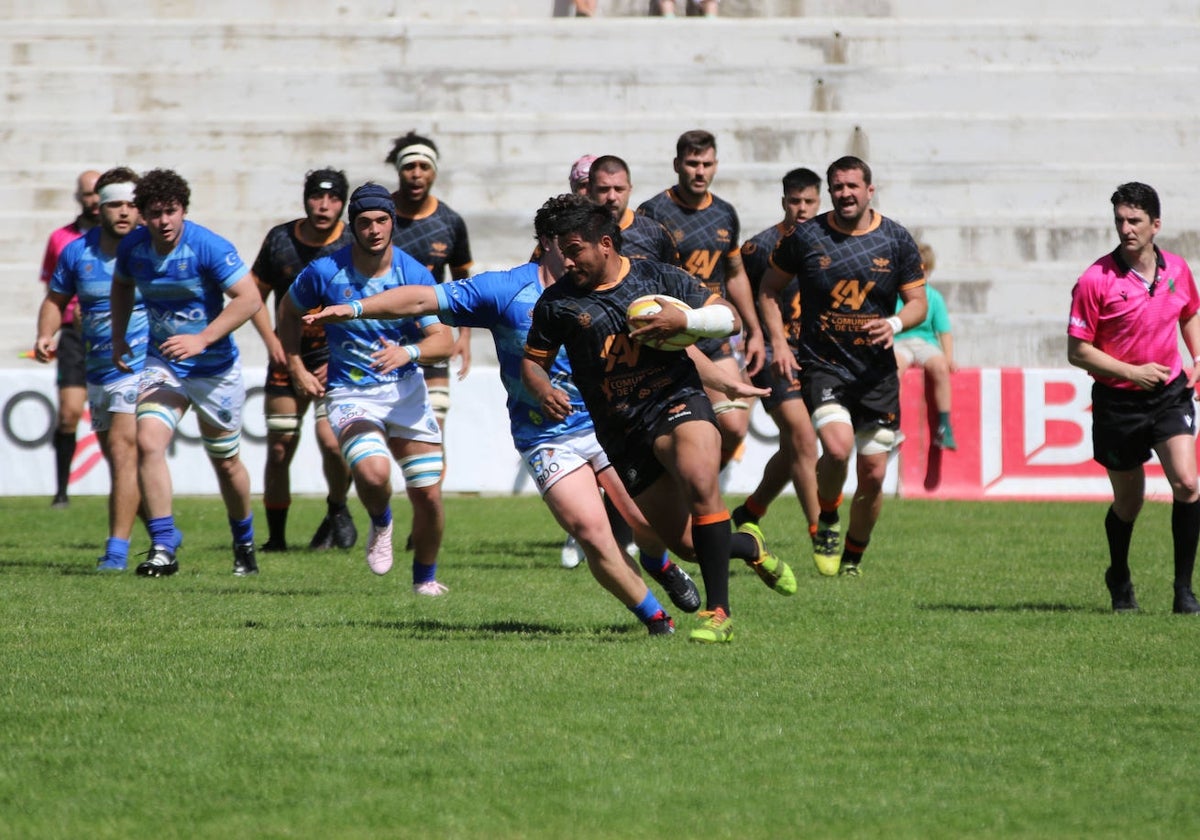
x,y
72,379
1127,312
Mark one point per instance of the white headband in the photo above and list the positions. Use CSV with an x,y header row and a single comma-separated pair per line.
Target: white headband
x,y
122,191
417,151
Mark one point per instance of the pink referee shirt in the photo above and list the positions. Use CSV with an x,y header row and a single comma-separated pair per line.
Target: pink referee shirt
x,y
1112,309
60,239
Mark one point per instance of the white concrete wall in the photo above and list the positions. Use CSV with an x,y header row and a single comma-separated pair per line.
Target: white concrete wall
x,y
997,131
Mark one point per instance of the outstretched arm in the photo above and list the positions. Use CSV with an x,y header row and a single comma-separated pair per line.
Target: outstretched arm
x,y
715,377
400,302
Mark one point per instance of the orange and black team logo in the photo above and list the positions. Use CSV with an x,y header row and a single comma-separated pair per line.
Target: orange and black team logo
x,y
849,293
881,264
678,407
825,261
585,320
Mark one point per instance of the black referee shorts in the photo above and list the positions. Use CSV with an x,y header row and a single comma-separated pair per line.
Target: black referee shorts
x,y
1127,423
72,369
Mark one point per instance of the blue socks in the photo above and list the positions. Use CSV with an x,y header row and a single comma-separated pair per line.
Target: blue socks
x,y
116,549
648,608
422,573
382,520
162,532
654,565
243,530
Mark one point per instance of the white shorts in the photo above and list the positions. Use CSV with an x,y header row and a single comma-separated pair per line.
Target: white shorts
x,y
401,409
119,396
549,462
916,351
218,399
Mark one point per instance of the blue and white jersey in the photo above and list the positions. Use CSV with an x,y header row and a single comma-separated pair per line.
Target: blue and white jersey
x,y
329,280
184,291
84,270
502,301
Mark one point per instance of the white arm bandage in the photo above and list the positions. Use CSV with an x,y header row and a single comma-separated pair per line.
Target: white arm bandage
x,y
714,321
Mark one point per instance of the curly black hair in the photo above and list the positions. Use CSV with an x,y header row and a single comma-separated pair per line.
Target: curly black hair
x,y
401,143
161,186
571,213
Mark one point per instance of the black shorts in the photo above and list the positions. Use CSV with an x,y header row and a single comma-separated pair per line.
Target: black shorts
x,y
279,379
717,348
873,404
1126,424
782,389
72,367
436,371
632,452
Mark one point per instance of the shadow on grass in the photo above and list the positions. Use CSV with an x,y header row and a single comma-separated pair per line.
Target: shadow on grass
x,y
256,591
1003,608
62,568
434,629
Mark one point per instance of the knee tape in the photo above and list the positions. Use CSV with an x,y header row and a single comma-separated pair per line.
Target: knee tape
x,y
439,401
224,447
165,414
422,470
726,406
831,413
366,445
288,424
877,441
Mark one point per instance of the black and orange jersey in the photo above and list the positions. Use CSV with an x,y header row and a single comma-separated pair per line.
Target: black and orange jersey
x,y
625,385
846,280
704,236
643,238
436,239
283,255
756,257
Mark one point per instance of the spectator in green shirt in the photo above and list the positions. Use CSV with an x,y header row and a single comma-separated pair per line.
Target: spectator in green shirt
x,y
930,346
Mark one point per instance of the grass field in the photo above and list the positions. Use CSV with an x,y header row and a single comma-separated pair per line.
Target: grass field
x,y
972,683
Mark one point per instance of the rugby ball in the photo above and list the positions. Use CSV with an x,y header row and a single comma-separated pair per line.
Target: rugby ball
x,y
648,305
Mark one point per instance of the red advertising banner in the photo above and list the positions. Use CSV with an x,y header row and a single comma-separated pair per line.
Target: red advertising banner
x,y
1021,434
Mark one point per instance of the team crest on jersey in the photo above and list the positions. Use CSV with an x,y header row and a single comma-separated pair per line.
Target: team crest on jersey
x,y
439,249
824,261
585,320
881,264
347,293
722,235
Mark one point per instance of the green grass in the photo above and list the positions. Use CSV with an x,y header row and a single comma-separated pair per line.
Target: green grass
x,y
971,683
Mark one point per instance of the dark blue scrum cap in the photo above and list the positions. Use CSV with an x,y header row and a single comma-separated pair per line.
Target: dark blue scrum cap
x,y
372,197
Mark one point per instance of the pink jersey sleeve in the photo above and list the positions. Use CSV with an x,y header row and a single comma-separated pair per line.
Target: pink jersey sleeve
x,y
1188,282
59,240
1084,308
